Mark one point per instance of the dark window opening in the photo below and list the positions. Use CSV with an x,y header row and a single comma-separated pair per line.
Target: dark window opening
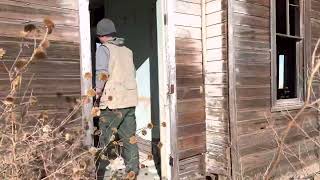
x,y
286,68
288,48
281,16
294,19
288,17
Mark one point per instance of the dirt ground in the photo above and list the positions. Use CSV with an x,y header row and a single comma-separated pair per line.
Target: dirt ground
x,y
117,167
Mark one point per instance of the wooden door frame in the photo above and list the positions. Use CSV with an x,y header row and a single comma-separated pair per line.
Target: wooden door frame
x,y
167,88
167,81
86,67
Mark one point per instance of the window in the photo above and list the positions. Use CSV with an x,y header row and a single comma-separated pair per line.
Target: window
x,y
287,50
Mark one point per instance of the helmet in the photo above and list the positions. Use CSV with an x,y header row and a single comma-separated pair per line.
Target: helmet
x,y
105,27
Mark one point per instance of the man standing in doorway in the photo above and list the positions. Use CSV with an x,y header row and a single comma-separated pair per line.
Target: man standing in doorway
x,y
116,88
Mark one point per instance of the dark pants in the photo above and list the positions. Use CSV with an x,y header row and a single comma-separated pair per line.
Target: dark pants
x,y
124,122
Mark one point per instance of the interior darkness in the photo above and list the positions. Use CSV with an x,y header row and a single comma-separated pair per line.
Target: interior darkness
x,y
294,17
287,47
96,14
294,2
281,16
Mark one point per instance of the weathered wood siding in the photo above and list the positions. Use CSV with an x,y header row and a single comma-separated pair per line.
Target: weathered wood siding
x,y
216,87
190,97
252,133
56,77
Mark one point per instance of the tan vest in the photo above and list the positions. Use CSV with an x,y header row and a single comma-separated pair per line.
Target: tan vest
x,y
120,90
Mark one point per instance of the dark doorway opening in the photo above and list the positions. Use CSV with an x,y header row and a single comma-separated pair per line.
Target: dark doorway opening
x,y
136,22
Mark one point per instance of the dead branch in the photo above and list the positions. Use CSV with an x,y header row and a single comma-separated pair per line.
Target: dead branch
x,y
294,120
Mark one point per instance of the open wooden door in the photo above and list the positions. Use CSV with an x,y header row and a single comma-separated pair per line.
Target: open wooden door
x,y
181,76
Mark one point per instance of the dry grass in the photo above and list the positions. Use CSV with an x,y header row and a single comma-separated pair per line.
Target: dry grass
x,y
41,146
38,146
295,121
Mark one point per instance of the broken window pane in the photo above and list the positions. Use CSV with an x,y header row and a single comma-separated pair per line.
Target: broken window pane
x,y
281,71
286,68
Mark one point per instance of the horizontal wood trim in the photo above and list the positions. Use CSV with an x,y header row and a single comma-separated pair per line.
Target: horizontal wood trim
x,y
189,118
185,93
217,142
58,51
216,78
242,43
190,167
188,8
188,44
191,130
188,32
217,102
216,18
217,54
186,70
216,42
251,9
190,105
64,4
191,81
11,28
251,81
191,142
253,34
216,5
245,104
214,115
252,57
251,21
253,92
217,30
187,20
36,13
193,152
265,3
252,124
216,90
216,66
192,1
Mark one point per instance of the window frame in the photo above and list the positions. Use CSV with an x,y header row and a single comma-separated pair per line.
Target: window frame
x,y
301,56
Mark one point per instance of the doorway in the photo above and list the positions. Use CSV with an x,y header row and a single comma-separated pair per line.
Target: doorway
x,y
136,22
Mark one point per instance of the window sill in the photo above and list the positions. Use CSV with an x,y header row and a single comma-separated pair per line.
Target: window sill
x,y
287,104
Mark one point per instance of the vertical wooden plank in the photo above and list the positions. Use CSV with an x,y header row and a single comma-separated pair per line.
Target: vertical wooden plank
x,y
165,132
190,85
235,165
204,57
217,110
307,40
273,51
171,66
85,49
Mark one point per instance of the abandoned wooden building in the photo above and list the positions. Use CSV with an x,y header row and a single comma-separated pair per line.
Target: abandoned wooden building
x,y
221,75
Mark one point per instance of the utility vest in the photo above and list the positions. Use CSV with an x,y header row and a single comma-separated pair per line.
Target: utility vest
x,y
120,90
